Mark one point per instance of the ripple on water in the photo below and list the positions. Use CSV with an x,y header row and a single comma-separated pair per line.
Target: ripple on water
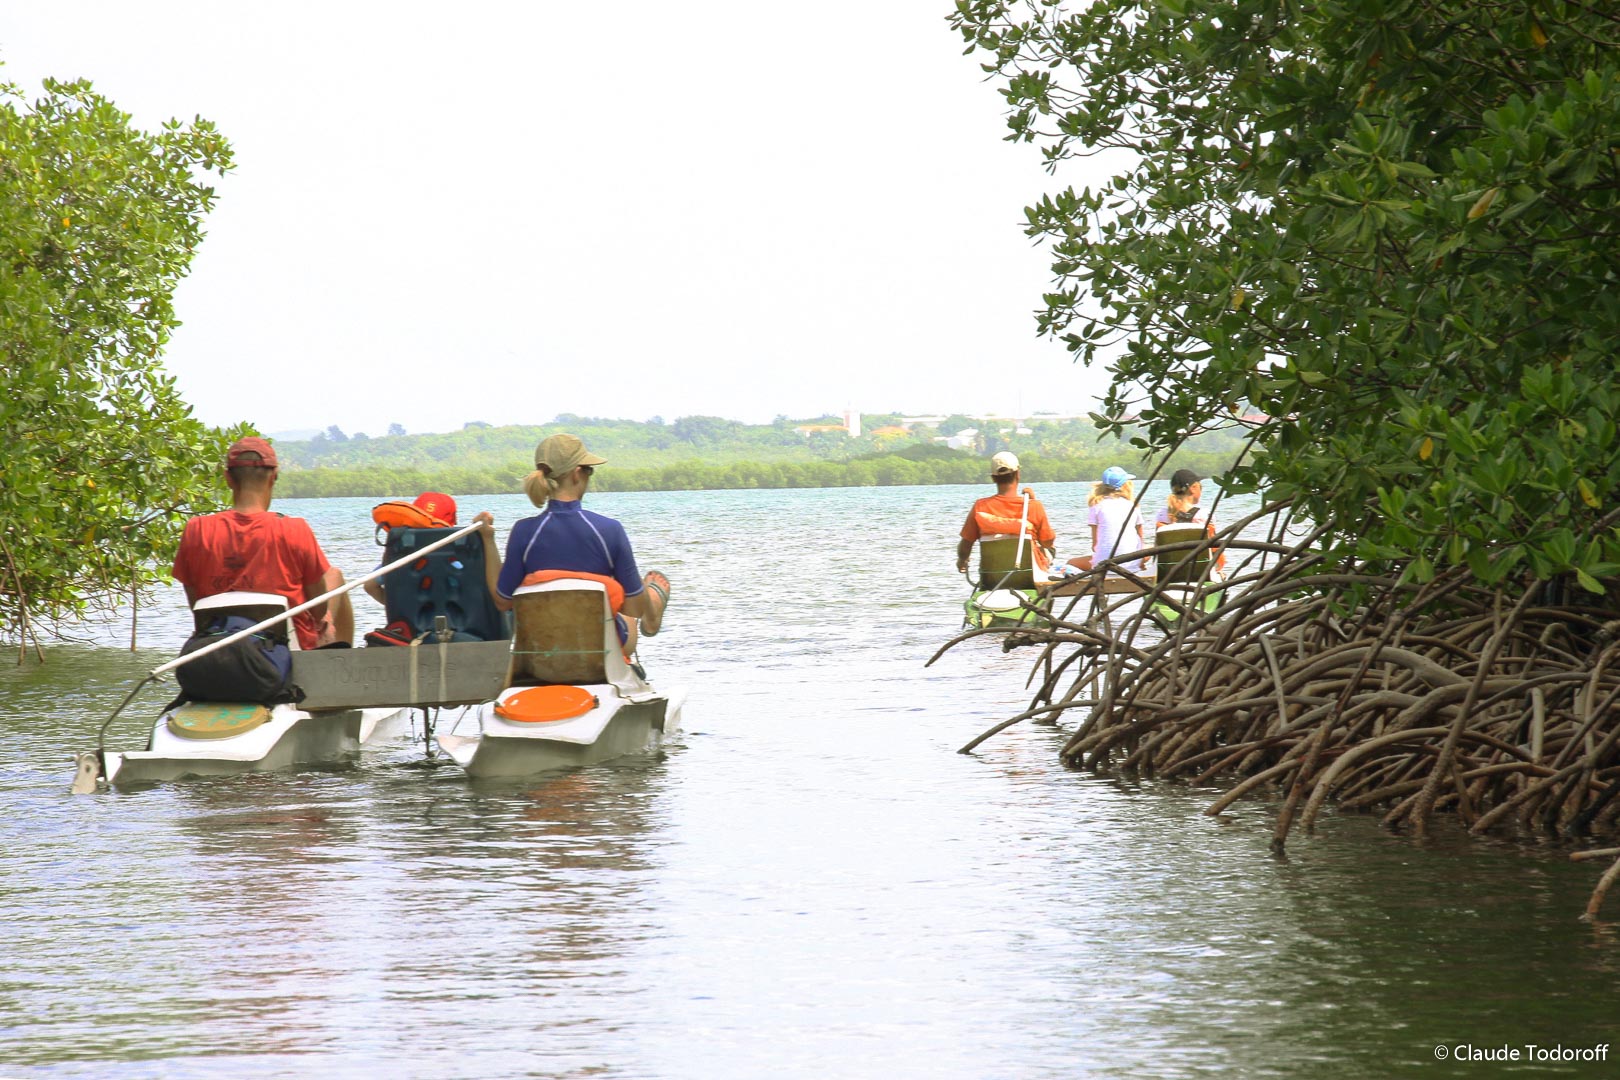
x,y
809,882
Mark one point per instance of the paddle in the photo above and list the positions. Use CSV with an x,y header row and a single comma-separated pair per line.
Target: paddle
x,y
1023,524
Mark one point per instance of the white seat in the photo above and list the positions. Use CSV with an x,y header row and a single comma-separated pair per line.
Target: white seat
x,y
255,606
241,599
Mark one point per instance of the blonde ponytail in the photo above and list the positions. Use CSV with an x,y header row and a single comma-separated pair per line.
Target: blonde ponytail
x,y
540,487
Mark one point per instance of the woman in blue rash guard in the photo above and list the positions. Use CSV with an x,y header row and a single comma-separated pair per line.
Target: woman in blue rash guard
x,y
565,536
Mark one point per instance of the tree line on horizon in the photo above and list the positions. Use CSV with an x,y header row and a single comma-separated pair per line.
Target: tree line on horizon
x,y
711,439
696,453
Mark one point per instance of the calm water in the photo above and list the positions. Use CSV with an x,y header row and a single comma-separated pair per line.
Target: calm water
x,y
810,882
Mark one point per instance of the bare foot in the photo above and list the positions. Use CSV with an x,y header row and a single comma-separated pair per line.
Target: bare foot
x,y
658,594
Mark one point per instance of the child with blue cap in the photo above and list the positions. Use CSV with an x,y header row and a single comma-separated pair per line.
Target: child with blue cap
x,y
1113,517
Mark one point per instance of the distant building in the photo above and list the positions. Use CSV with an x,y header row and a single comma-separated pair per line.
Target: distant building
x,y
992,419
851,426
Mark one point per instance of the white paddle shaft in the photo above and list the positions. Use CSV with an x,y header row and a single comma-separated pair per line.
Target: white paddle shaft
x,y
1023,520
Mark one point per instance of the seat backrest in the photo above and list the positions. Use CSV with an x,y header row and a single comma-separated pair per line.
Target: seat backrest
x,y
255,606
1182,566
565,634
999,558
448,581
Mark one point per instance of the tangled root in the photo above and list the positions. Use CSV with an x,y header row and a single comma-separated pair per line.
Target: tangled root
x,y
1353,687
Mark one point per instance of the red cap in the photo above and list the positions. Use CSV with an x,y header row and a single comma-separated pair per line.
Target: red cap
x,y
250,445
437,504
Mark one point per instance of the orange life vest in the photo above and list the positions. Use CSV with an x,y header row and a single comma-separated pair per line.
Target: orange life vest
x,y
1001,525
995,524
406,515
615,591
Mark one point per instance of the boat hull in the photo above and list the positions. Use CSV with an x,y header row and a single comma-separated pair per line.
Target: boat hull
x,y
1194,601
617,727
290,739
992,608
1000,608
1112,586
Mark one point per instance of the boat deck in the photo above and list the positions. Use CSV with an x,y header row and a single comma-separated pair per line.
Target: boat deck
x,y
1111,586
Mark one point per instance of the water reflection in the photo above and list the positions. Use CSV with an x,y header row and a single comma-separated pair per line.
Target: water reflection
x,y
531,895
811,883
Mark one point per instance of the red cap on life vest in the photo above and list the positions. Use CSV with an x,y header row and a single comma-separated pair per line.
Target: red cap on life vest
x,y
437,504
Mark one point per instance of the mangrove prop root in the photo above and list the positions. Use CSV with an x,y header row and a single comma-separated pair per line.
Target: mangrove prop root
x,y
1340,683
1604,883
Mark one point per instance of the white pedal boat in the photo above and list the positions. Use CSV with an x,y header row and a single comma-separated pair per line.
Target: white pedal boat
x,y
194,740
215,738
571,698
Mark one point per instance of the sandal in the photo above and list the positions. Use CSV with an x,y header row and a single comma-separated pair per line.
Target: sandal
x,y
658,585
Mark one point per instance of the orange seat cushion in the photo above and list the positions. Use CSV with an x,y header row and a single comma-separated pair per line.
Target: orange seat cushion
x,y
545,704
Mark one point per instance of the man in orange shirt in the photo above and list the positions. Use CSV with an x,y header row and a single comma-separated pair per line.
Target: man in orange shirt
x,y
1000,513
249,548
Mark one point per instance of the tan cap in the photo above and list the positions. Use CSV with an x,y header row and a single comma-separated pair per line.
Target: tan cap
x,y
1004,462
563,454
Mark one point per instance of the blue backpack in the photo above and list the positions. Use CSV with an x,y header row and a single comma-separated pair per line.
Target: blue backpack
x,y
257,669
447,581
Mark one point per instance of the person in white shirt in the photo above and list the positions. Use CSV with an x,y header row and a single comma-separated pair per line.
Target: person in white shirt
x,y
1114,520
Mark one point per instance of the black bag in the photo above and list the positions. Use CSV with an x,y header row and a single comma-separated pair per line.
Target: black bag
x,y
255,669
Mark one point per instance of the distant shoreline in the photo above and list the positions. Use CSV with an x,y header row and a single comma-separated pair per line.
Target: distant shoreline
x,y
892,470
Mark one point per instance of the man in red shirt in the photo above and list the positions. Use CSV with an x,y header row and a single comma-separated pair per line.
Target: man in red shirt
x,y
1000,513
248,548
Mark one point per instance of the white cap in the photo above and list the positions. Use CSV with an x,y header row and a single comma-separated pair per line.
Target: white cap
x,y
1004,462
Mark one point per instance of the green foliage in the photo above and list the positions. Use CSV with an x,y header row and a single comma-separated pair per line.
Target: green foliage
x,y
1389,224
650,457
510,449
102,460
709,440
882,470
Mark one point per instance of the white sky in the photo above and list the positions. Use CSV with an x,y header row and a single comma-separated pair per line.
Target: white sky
x,y
501,211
